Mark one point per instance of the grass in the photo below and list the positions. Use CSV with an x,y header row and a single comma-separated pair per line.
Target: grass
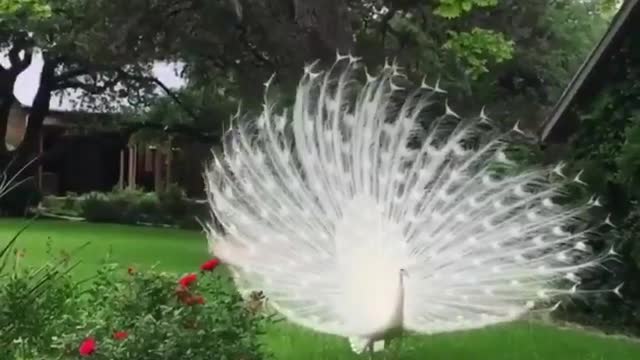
x,y
516,341
183,251
142,247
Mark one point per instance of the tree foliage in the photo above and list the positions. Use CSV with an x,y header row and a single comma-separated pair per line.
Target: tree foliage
x,y
477,47
513,56
451,9
78,60
607,147
104,48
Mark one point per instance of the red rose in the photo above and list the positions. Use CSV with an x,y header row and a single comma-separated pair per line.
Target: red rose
x,y
210,265
88,347
120,335
187,280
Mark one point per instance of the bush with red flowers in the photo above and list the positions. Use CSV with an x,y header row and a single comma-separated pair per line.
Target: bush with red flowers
x,y
124,314
150,315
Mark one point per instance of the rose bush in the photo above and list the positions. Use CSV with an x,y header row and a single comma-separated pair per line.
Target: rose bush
x,y
123,313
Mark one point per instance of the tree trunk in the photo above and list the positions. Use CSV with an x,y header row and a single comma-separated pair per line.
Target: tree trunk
x,y
7,99
5,109
8,77
293,33
326,26
39,110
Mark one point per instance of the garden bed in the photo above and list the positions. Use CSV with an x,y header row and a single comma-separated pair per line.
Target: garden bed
x,y
167,209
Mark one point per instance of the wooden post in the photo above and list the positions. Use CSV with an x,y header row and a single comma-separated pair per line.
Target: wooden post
x,y
134,173
40,151
148,159
132,166
129,165
157,169
121,175
169,160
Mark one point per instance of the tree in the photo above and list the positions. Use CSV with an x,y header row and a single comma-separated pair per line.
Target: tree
x,y
265,37
76,45
514,57
489,51
15,17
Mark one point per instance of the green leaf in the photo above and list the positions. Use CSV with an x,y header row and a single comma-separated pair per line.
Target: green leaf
x,y
451,9
478,48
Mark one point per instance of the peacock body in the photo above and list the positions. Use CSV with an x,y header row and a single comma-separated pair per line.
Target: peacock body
x,y
369,208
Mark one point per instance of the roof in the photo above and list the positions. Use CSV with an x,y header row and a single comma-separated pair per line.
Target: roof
x,y
588,79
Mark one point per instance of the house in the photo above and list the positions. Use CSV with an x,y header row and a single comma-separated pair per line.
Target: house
x,y
606,65
88,151
93,151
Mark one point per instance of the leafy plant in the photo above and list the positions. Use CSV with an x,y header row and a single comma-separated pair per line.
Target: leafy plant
x,y
451,9
149,315
37,303
173,201
99,207
476,49
170,207
123,314
606,146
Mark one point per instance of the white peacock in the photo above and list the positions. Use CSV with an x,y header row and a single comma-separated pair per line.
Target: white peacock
x,y
368,209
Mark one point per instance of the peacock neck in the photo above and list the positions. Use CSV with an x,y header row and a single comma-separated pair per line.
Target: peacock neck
x,y
399,306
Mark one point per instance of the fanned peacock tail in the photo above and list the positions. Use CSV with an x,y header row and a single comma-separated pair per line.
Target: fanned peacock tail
x,y
321,203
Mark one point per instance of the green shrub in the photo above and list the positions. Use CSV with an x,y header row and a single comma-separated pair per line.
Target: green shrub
x,y
37,304
130,314
170,207
194,212
66,205
606,145
148,209
174,202
150,310
35,309
98,207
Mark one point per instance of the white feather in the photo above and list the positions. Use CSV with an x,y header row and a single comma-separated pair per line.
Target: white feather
x,y
324,204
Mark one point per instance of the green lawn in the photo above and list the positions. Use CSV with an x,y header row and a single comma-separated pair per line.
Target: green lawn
x,y
518,341
182,251
168,249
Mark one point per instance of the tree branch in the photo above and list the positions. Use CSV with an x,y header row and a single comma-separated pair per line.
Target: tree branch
x,y
19,64
26,59
384,24
73,73
94,88
175,98
165,88
251,47
14,55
